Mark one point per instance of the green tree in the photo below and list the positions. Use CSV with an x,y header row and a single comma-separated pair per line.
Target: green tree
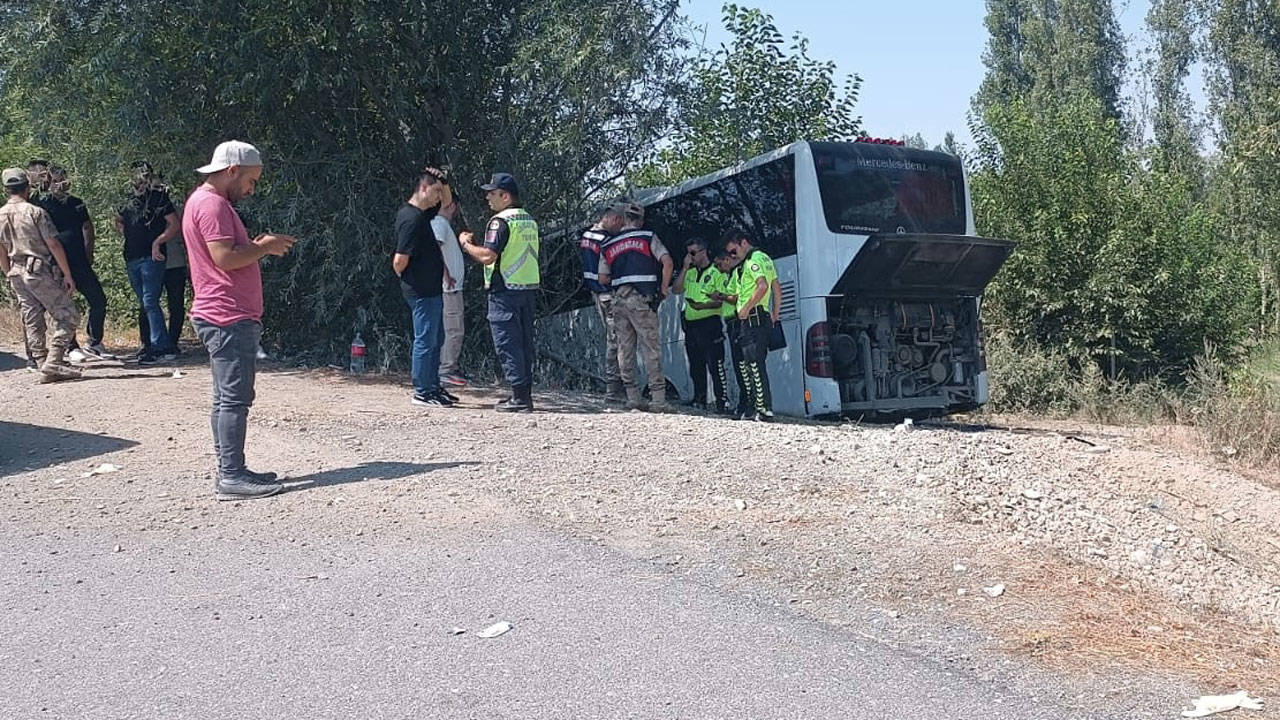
x,y
751,96
346,100
1243,54
1051,49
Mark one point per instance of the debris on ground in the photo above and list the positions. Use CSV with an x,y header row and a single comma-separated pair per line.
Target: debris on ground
x,y
1213,704
994,591
496,629
102,469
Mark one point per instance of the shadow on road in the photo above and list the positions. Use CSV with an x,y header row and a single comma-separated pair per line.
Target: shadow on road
x,y
367,471
32,447
11,361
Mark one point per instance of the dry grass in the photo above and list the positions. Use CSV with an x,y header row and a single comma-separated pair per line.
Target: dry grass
x,y
1070,616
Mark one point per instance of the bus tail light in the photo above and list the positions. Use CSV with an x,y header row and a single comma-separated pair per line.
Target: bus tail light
x,y
817,351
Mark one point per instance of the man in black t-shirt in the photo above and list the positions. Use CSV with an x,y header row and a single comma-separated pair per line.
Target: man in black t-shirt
x,y
420,266
148,220
75,232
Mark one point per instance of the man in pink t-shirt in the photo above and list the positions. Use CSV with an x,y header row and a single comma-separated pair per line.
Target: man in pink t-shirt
x,y
227,312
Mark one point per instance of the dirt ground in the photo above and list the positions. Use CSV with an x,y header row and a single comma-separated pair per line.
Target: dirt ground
x,y
1120,554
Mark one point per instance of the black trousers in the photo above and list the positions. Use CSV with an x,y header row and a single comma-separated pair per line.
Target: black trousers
x,y
732,326
90,288
752,340
175,294
704,346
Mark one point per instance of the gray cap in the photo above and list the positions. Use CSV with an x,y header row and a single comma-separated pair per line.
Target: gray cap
x,y
231,152
15,177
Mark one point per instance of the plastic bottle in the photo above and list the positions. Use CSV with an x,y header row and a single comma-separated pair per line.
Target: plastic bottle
x,y
357,355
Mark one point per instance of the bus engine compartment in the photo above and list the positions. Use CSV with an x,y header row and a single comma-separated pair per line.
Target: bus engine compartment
x,y
903,334
891,356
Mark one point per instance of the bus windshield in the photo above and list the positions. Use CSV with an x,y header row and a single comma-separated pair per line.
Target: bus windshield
x,y
868,188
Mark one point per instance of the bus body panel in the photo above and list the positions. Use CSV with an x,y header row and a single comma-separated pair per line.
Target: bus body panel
x,y
895,344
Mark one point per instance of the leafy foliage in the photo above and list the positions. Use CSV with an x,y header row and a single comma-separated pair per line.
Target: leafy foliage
x,y
752,96
346,101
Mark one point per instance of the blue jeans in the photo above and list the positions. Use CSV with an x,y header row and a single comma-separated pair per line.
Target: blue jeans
x,y
428,319
147,278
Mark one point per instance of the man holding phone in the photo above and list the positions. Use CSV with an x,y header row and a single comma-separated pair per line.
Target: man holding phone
x,y
700,283
227,311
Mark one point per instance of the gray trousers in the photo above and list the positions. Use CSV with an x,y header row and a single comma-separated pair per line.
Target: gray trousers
x,y
233,358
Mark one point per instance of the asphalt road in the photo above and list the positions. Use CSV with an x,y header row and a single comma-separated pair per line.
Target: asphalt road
x,y
208,625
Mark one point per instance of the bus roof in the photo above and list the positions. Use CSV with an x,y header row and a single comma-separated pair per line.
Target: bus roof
x,y
654,195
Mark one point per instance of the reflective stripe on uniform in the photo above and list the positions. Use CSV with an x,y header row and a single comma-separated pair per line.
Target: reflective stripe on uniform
x,y
629,279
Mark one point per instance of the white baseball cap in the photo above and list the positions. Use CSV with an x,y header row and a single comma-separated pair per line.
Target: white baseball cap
x,y
231,152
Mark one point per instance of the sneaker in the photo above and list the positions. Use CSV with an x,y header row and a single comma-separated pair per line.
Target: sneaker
x,y
245,488
136,356
97,350
33,366
761,417
76,356
169,354
431,400
453,399
150,359
266,477
454,379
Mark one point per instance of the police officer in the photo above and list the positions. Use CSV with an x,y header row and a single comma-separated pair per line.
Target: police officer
x,y
757,299
638,268
609,224
726,293
37,269
699,281
510,258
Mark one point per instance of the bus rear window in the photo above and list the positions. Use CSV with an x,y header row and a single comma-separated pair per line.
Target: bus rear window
x,y
869,189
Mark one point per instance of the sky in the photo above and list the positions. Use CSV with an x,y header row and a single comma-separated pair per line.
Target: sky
x,y
920,60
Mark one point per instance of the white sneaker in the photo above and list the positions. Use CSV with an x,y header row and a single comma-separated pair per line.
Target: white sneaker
x,y
77,356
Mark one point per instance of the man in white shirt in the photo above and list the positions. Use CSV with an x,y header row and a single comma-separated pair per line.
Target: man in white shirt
x,y
454,270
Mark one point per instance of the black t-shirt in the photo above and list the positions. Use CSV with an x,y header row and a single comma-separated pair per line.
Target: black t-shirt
x,y
69,216
424,277
144,220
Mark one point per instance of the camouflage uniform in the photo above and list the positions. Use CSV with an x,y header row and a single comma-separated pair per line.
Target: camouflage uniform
x,y
636,323
38,284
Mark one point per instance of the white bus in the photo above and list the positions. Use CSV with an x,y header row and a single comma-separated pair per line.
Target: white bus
x,y
881,272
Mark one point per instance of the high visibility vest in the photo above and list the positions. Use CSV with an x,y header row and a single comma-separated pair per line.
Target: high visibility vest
x,y
518,262
631,262
698,285
757,265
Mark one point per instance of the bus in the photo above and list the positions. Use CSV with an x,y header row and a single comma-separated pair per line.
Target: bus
x,y
881,270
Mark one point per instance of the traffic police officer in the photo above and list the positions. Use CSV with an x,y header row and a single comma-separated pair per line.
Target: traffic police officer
x,y
36,266
757,299
610,224
510,258
699,281
638,268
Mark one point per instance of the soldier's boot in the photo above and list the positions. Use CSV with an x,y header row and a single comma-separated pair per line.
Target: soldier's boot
x,y
658,401
615,392
634,401
54,372
55,367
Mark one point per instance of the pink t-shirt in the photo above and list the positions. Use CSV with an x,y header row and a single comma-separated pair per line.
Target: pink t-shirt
x,y
222,296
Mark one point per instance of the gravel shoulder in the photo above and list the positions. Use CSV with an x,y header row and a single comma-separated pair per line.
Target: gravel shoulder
x,y
1136,574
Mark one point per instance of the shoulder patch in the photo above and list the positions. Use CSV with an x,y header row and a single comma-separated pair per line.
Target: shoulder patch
x,y
755,267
